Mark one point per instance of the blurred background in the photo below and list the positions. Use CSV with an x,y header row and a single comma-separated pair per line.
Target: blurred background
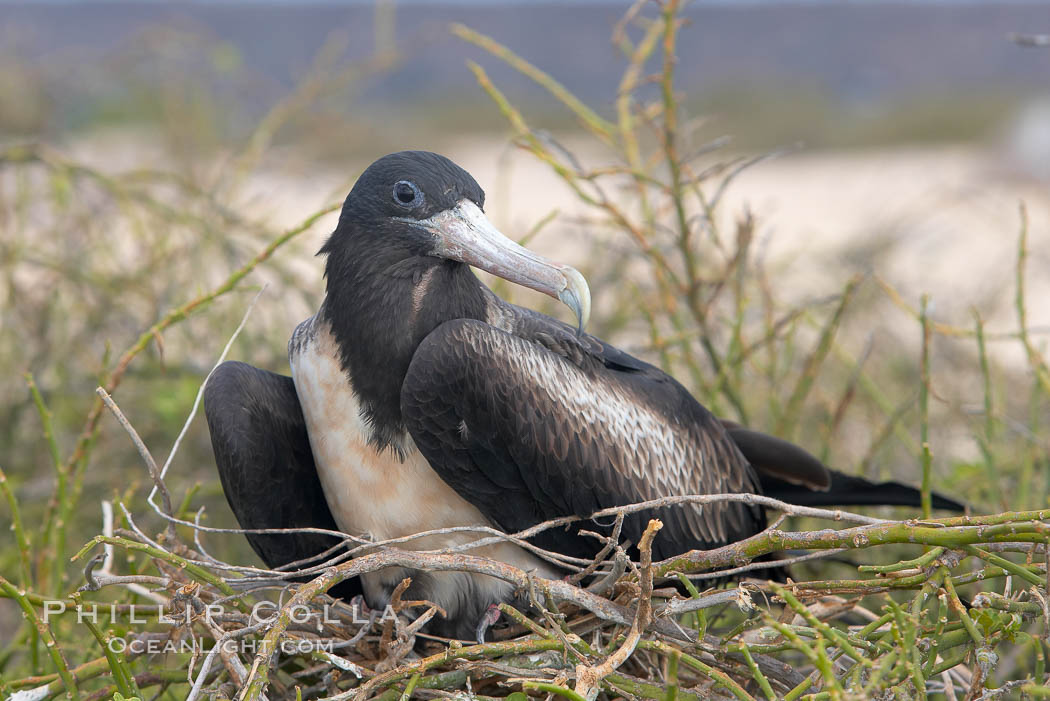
x,y
149,149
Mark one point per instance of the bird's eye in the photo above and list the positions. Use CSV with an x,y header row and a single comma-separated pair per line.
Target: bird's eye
x,y
407,194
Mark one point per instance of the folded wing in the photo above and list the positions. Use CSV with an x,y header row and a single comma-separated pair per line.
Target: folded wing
x,y
265,464
530,429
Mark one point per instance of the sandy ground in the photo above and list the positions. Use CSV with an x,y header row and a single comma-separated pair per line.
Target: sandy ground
x,y
942,221
947,219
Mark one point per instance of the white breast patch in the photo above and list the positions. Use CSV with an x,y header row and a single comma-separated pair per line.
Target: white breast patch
x,y
374,494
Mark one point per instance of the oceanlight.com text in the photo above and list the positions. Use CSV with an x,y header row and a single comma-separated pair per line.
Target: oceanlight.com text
x,y
138,646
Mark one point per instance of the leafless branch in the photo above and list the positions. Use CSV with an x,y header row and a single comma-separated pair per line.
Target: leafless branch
x,y
588,678
147,457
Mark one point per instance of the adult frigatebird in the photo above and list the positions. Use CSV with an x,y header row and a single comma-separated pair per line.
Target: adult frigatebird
x,y
419,400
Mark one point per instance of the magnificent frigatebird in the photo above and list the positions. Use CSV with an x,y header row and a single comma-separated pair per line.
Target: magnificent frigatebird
x,y
419,400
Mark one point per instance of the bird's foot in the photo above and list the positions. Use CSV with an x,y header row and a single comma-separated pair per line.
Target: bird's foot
x,y
362,613
491,615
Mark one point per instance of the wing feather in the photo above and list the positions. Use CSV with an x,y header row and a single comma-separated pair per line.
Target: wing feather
x,y
527,433
265,464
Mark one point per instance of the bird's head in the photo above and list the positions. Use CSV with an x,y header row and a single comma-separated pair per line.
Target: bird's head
x,y
417,203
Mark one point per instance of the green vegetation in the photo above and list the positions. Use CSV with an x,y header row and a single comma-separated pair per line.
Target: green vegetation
x,y
134,279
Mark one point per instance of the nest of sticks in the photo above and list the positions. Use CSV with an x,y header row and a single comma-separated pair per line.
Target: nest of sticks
x,y
616,627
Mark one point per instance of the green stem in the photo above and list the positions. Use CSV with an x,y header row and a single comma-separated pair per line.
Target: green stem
x,y
45,634
410,687
552,688
924,411
24,558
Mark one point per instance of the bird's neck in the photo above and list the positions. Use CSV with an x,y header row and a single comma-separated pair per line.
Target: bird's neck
x,y
379,312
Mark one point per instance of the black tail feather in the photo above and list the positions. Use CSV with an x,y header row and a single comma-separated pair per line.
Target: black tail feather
x,y
848,490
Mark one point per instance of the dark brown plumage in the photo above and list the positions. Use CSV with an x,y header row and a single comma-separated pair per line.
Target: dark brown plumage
x,y
532,423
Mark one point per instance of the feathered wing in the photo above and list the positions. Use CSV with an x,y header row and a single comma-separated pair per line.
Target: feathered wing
x,y
538,424
789,473
266,466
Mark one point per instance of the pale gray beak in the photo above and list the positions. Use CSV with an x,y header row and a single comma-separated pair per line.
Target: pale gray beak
x,y
466,235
